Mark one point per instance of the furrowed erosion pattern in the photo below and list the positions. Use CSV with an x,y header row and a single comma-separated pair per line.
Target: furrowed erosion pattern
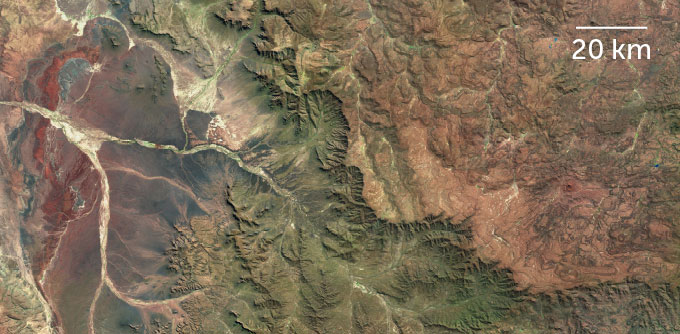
x,y
338,166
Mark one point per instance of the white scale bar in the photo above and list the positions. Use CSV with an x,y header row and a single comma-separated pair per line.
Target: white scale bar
x,y
611,28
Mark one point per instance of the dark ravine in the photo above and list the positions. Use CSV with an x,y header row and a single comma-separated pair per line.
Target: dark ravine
x,y
345,166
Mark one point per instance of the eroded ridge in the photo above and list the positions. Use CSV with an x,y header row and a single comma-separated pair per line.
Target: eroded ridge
x,y
348,166
89,142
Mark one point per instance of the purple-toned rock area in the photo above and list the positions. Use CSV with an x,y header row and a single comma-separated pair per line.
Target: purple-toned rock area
x,y
339,166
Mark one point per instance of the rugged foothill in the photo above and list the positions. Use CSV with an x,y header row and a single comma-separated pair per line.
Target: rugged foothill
x,y
341,166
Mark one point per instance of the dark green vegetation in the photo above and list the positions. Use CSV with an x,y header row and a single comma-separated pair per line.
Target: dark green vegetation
x,y
336,166
254,217
629,307
312,257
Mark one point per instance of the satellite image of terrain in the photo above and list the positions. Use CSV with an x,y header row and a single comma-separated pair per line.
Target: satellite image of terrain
x,y
339,166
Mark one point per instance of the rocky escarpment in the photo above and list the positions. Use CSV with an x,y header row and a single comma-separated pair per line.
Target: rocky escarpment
x,y
346,166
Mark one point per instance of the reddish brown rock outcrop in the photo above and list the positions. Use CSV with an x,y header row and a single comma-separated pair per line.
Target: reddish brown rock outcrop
x,y
476,109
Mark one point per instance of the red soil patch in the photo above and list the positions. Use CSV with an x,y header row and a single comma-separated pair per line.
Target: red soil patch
x,y
48,82
68,176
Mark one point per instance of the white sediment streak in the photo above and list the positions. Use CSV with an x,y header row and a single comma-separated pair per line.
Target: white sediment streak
x,y
89,142
81,22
